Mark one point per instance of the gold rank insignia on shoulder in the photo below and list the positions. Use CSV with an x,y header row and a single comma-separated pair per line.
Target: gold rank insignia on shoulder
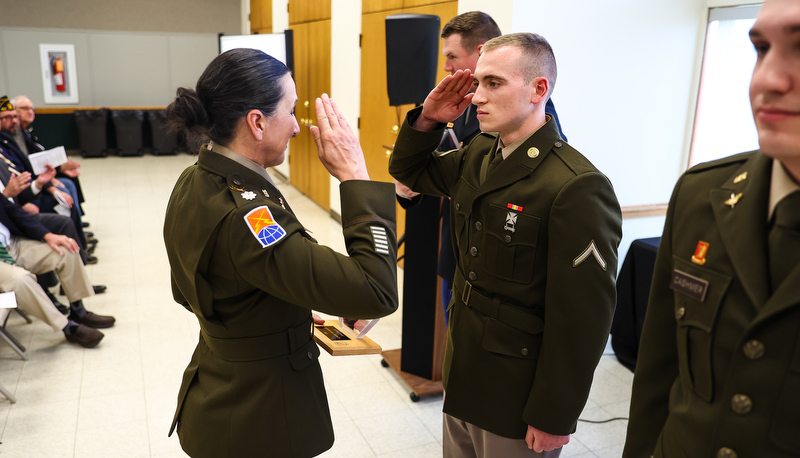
x,y
740,177
699,256
248,195
733,200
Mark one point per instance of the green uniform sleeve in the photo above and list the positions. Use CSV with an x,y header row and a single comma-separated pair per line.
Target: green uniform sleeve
x,y
294,268
657,362
414,163
580,300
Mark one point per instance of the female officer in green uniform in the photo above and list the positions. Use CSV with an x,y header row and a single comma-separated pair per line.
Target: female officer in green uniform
x,y
243,263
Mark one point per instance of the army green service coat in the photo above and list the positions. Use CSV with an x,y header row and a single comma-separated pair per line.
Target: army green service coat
x,y
244,264
534,292
718,371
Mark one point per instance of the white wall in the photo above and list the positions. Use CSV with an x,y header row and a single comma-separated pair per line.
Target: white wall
x,y
114,68
280,15
345,70
626,85
500,10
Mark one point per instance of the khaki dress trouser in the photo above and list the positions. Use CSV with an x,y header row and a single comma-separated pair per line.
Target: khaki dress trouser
x,y
35,257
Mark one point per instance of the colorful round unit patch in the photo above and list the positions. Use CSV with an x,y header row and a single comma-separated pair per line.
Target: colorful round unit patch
x,y
264,227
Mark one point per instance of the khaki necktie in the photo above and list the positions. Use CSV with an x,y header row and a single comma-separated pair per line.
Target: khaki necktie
x,y
784,239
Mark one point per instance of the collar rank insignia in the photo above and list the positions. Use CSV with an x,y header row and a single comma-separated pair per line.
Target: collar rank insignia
x,y
264,227
593,251
248,195
699,256
740,177
733,200
511,222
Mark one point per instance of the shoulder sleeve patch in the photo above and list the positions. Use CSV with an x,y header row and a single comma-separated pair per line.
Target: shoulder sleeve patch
x,y
264,227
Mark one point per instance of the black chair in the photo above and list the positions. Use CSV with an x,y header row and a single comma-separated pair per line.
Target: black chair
x,y
92,132
633,293
163,140
128,128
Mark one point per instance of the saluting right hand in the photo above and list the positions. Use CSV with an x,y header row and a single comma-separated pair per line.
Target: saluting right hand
x,y
447,101
337,145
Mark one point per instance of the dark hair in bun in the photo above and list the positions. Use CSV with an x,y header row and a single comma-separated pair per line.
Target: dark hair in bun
x,y
234,83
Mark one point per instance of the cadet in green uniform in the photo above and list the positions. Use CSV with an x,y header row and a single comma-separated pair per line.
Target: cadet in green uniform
x,y
718,373
536,239
245,265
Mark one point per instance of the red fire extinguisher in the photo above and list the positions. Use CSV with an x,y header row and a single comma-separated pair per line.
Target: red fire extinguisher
x,y
58,74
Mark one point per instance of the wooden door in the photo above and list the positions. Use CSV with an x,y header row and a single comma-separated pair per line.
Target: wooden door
x,y
319,81
260,16
309,10
299,162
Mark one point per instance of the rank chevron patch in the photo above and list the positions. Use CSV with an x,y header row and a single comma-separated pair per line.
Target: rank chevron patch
x,y
590,250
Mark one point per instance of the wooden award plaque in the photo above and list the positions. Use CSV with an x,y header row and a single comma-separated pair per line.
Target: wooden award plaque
x,y
340,342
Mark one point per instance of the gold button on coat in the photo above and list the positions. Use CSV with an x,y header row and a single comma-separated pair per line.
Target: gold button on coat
x,y
741,404
753,349
679,313
726,452
533,152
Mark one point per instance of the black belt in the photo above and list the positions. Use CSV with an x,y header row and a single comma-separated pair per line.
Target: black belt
x,y
242,349
503,312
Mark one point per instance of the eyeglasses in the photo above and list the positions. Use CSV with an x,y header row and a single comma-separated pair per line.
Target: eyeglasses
x,y
27,109
14,116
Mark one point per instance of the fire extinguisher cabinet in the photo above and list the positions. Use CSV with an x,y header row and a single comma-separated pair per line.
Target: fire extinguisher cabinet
x,y
128,129
92,133
164,141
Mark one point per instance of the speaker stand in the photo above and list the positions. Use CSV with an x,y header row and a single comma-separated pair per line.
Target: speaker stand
x,y
419,363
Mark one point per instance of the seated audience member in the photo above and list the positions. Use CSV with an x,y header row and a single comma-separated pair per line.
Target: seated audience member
x,y
10,186
53,192
67,172
29,143
27,248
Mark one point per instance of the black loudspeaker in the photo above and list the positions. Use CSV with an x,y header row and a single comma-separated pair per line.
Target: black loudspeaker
x,y
412,51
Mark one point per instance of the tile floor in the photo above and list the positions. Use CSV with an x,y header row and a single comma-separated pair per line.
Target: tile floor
x,y
117,400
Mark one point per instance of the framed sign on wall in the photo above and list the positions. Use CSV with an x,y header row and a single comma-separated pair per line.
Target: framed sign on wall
x,y
59,73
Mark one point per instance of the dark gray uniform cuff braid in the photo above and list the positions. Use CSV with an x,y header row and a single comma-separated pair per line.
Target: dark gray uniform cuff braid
x,y
368,201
